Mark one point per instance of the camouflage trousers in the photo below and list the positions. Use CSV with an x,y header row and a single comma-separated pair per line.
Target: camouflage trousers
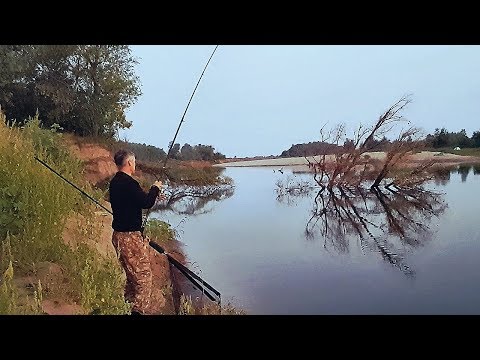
x,y
133,253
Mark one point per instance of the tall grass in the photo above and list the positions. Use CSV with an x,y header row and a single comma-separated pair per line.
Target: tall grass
x,y
8,293
34,207
463,151
189,307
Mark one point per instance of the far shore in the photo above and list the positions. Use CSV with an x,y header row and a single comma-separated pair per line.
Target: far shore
x,y
301,164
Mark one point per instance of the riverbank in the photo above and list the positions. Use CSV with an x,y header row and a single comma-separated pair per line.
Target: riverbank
x,y
56,251
300,164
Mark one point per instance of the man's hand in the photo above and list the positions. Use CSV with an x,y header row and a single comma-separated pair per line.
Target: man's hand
x,y
161,195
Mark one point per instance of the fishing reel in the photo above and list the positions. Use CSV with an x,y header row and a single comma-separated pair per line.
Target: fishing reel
x,y
167,182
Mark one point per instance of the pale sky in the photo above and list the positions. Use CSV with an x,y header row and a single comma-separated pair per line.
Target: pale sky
x,y
261,99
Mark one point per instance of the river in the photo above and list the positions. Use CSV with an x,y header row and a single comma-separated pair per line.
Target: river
x,y
253,248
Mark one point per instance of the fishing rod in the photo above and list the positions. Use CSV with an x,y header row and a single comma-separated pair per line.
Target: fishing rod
x,y
190,275
178,129
147,214
188,105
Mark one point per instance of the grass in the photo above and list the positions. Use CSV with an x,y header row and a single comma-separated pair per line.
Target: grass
x,y
463,152
34,208
8,293
188,307
10,302
159,230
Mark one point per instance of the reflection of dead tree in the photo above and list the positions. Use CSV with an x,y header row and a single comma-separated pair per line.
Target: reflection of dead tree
x,y
289,189
354,196
377,217
191,200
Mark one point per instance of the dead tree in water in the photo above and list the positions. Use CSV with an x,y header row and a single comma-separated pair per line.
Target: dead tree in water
x,y
354,198
353,165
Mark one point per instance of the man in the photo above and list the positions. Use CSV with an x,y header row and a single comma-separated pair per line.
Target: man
x,y
128,199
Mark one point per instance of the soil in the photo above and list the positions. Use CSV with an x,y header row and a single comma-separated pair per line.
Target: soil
x,y
97,160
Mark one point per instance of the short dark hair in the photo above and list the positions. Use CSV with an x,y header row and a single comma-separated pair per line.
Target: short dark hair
x,y
121,155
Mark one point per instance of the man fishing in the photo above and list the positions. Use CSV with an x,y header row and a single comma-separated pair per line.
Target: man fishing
x,y
128,199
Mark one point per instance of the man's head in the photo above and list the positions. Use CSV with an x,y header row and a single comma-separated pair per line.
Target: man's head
x,y
125,161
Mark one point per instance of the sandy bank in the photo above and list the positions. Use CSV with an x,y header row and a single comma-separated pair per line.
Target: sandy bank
x,y
300,163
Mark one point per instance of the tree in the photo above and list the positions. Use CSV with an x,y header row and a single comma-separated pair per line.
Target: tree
x,y
462,139
175,151
311,149
374,198
17,96
349,145
352,166
218,156
143,152
440,138
109,85
84,88
187,153
476,138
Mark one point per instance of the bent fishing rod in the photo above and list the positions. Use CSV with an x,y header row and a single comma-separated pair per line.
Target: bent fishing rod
x,y
190,275
164,169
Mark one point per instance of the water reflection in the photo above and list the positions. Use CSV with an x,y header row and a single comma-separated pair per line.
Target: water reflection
x,y
442,174
193,200
389,220
463,170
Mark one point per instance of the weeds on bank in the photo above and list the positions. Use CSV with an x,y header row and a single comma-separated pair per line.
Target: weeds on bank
x,y
159,230
34,207
189,307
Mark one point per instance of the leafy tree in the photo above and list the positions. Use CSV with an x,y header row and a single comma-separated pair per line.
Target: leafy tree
x,y
441,138
476,139
205,152
175,152
187,152
143,152
84,88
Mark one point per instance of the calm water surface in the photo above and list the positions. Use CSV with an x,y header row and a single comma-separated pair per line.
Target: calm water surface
x,y
253,248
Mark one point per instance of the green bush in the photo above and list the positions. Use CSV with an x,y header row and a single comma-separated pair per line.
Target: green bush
x,y
34,205
159,230
99,282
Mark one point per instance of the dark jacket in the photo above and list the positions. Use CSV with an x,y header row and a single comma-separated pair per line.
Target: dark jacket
x,y
128,199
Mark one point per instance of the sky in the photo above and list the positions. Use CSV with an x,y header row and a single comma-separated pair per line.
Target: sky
x,y
261,99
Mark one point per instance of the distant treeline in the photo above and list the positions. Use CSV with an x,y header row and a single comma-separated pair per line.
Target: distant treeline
x,y
319,147
441,138
310,149
150,153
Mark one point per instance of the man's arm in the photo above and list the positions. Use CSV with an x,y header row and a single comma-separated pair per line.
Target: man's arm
x,y
144,200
